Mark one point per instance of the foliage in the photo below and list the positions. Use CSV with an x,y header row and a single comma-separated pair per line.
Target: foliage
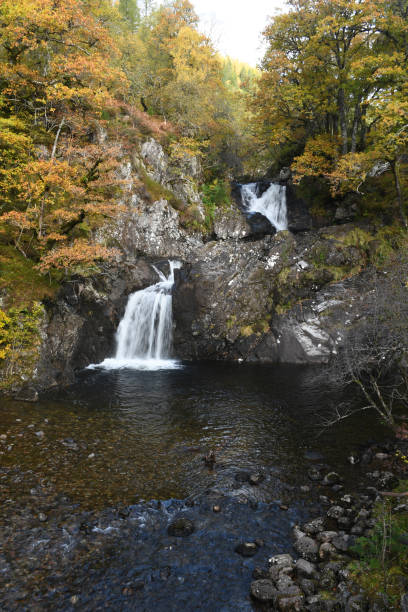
x,y
57,65
21,283
383,562
371,360
19,342
5,346
334,85
237,75
214,195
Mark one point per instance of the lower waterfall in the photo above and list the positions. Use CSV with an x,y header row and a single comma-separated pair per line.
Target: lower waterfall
x,y
144,336
271,204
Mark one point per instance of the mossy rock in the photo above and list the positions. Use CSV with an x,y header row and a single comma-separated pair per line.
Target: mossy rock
x,y
20,281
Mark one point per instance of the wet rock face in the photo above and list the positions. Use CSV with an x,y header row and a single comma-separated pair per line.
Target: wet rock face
x,y
249,294
83,319
230,224
152,229
179,178
268,300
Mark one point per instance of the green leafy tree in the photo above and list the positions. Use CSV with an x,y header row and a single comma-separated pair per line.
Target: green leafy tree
x,y
130,12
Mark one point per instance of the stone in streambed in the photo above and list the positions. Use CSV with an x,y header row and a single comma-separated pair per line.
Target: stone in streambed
x,y
246,549
305,569
327,536
291,599
325,501
181,528
263,590
327,551
284,560
308,586
307,548
314,527
260,574
335,512
315,474
332,478
343,543
256,479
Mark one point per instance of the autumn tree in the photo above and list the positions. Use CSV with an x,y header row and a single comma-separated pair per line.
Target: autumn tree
x,y
332,87
57,66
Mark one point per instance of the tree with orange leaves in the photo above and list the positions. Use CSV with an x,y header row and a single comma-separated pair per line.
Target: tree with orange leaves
x,y
58,78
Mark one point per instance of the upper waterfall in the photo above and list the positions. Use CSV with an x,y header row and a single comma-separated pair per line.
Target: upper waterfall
x,y
144,336
271,204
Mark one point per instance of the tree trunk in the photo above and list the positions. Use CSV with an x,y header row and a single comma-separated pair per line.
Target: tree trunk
x,y
343,121
400,200
54,148
363,132
356,123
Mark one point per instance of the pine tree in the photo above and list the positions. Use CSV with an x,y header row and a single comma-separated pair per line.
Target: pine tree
x,y
130,12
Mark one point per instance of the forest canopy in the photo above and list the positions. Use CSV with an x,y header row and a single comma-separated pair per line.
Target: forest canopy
x,y
81,81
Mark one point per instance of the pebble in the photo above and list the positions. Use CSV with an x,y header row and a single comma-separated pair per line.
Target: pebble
x,y
314,474
256,479
332,478
40,434
335,512
181,527
42,517
246,549
263,590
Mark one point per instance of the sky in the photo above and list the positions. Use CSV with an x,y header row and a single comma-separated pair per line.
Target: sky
x,y
235,26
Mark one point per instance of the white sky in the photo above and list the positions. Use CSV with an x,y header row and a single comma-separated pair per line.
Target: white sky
x,y
235,26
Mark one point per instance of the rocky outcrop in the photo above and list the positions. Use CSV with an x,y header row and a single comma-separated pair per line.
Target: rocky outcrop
x,y
243,293
180,177
272,300
230,223
152,230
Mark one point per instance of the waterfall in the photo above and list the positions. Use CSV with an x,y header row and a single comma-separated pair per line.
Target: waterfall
x,y
271,204
144,336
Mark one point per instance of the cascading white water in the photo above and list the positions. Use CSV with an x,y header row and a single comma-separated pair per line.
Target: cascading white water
x,y
144,336
271,204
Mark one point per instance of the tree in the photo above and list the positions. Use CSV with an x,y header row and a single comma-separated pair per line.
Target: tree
x,y
333,88
57,63
130,12
373,360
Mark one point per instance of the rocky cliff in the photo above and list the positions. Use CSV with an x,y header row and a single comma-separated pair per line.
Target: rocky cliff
x,y
241,293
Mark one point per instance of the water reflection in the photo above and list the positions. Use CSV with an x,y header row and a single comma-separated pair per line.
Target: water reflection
x,y
121,436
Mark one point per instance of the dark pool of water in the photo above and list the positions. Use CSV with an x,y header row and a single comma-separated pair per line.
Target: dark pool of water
x,y
118,438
